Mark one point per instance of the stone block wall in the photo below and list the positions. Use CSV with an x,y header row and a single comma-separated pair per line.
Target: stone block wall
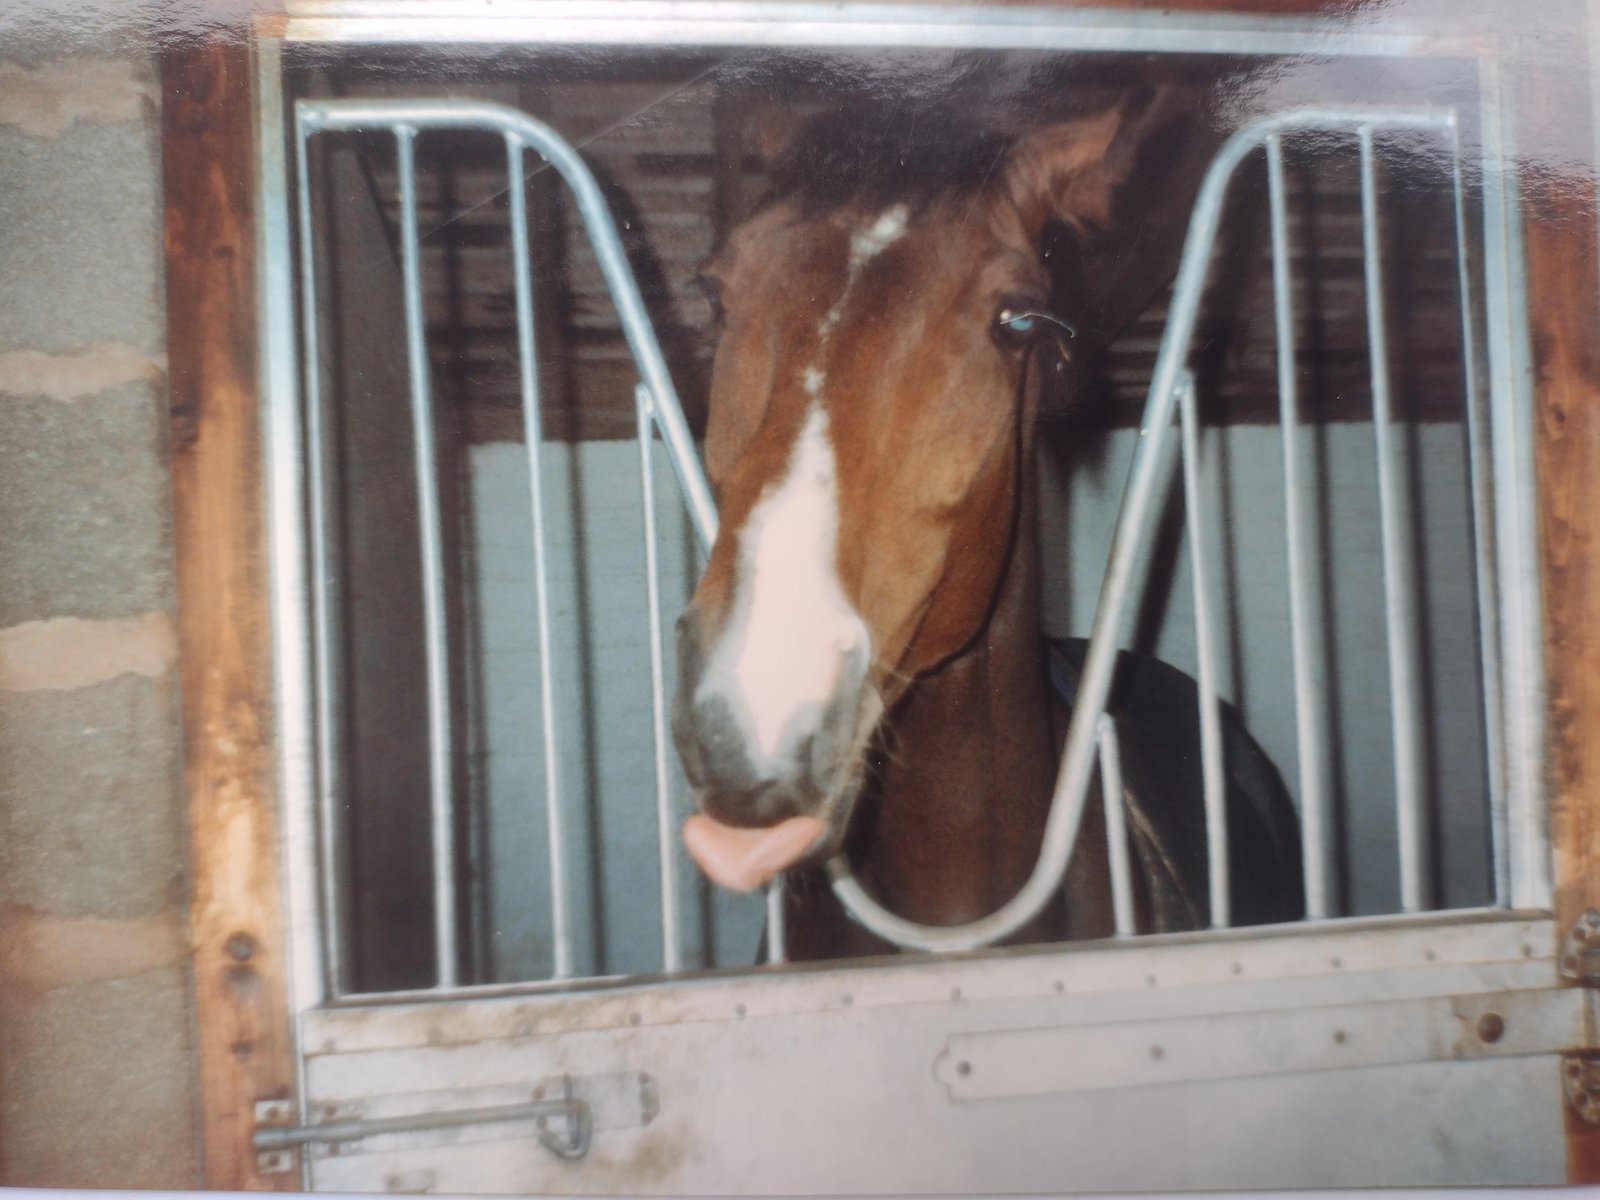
x,y
96,1059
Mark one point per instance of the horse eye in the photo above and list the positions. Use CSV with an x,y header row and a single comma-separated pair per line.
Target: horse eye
x,y
1017,325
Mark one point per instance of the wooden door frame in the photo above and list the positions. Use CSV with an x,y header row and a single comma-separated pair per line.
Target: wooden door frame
x,y
244,1034
245,1041
1564,319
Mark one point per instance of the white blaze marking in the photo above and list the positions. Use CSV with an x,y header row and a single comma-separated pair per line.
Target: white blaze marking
x,y
865,245
868,243
792,627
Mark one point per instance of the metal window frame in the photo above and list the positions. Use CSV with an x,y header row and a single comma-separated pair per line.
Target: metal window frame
x,y
710,24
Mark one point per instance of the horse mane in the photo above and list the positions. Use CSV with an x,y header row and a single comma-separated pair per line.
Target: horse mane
x,y
905,156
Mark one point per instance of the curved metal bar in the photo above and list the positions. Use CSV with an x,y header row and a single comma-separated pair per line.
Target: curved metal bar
x,y
1135,531
350,115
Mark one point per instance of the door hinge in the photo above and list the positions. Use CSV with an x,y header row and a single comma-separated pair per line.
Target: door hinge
x,y
1579,961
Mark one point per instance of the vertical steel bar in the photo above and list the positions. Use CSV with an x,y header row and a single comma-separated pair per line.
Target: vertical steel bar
x,y
1481,476
429,518
666,843
1305,606
1516,516
1399,573
322,584
527,365
1122,907
777,938
1213,768
292,623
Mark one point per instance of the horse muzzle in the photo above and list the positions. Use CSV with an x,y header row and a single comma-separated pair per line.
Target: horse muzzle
x,y
769,763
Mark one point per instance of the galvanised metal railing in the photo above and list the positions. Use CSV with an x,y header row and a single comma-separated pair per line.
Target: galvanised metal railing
x,y
1172,400
1091,735
658,409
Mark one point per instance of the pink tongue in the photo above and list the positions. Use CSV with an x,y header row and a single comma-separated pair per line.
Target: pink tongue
x,y
741,860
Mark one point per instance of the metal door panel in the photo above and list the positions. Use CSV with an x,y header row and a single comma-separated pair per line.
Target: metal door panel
x,y
761,1111
841,1080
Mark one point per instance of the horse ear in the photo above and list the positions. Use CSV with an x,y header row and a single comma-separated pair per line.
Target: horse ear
x,y
1070,171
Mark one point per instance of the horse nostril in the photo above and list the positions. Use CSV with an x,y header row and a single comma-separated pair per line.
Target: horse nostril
x,y
720,747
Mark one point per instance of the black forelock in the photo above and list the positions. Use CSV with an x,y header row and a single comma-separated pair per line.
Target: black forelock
x,y
846,158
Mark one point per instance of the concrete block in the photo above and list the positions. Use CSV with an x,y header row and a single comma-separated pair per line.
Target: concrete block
x,y
64,653
95,1084
41,32
90,808
96,368
47,99
85,500
80,237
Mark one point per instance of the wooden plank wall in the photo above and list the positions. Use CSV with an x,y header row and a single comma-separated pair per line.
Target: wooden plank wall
x,y
236,922
1564,299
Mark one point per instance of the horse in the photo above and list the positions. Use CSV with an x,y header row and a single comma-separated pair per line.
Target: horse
x,y
862,668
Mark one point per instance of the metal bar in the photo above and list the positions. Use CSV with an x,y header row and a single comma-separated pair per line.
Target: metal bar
x,y
436,635
323,586
777,935
1125,568
310,968
527,365
602,232
289,1137
1117,850
1516,516
1213,768
1399,571
854,25
666,842
1479,457
1305,607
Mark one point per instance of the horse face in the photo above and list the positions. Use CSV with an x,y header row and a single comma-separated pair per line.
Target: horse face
x,y
866,404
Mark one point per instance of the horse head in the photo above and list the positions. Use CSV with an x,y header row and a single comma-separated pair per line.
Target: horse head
x,y
882,328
